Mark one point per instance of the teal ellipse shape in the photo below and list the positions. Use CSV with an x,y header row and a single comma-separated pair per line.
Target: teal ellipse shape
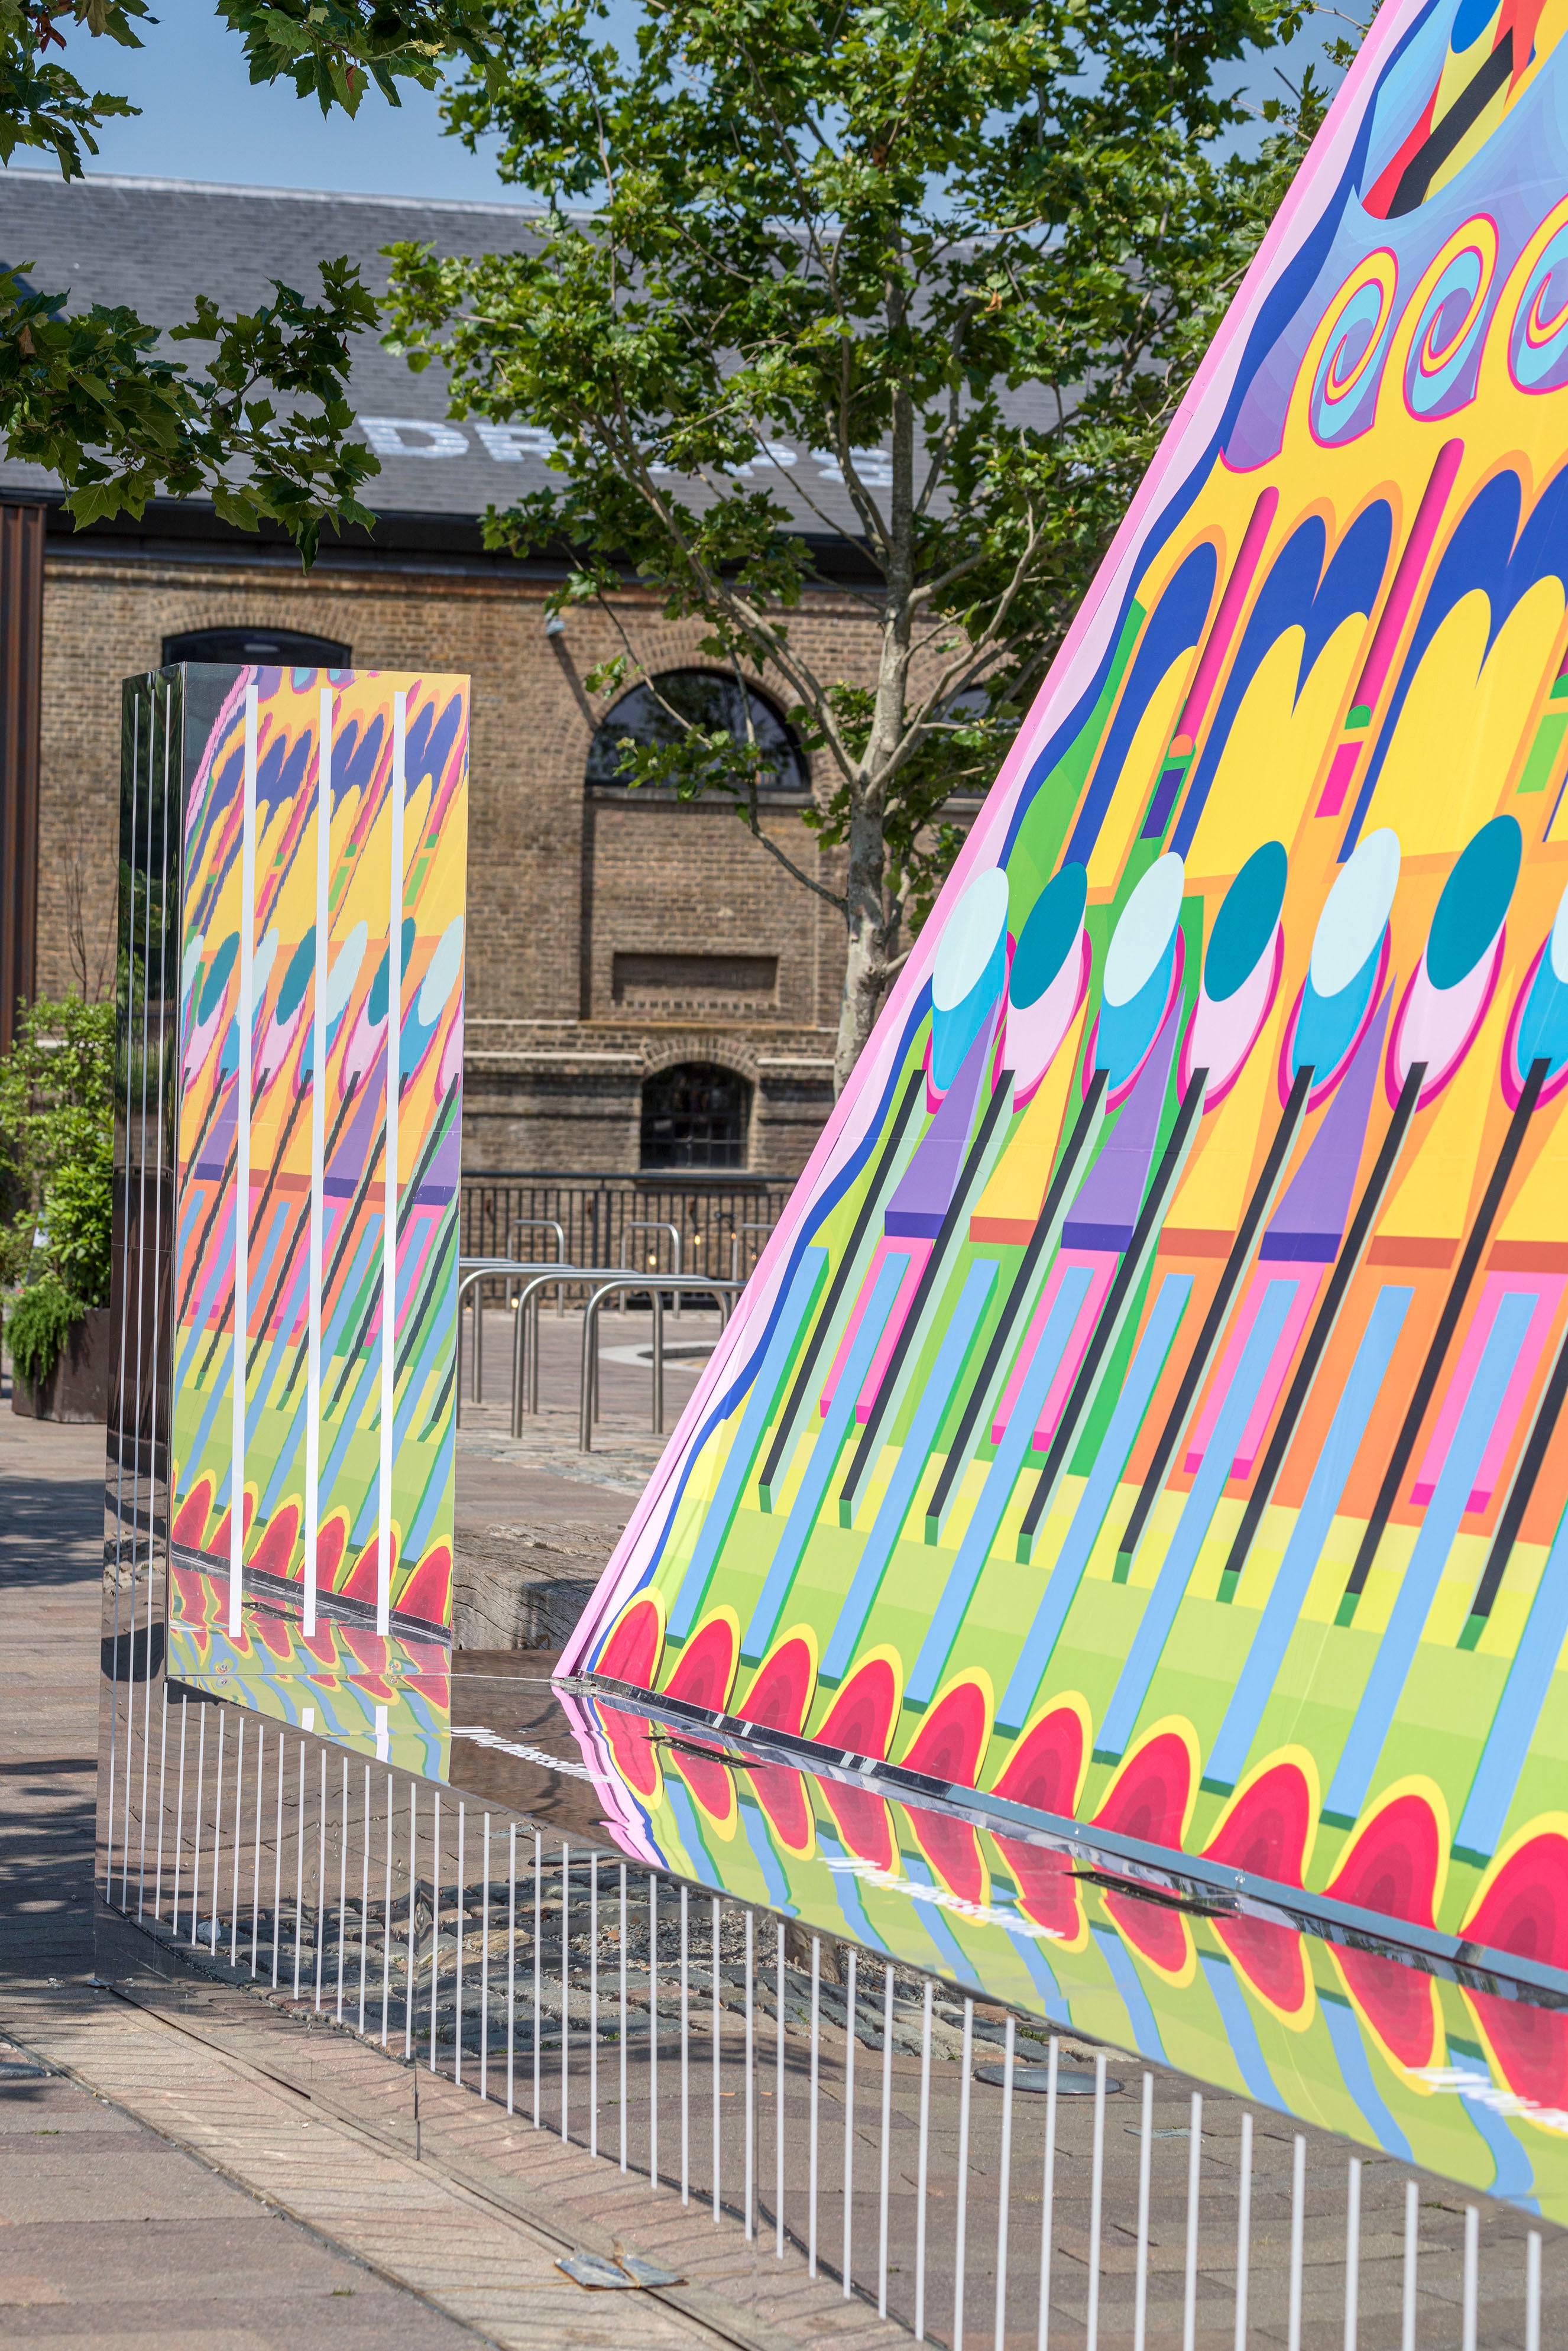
x,y
1476,897
1245,921
217,978
1049,936
296,978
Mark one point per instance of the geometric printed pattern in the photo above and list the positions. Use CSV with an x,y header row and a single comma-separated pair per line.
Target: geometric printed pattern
x,y
1155,1388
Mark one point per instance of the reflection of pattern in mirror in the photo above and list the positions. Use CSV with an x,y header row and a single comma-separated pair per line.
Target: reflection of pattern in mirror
x,y
293,850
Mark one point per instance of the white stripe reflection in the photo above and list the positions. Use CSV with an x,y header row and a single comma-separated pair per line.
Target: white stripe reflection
x,y
390,1194
318,1147
247,1012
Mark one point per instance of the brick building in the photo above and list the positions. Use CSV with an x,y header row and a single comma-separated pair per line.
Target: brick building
x,y
646,985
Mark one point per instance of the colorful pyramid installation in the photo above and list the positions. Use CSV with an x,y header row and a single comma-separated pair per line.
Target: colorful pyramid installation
x,y
1151,1406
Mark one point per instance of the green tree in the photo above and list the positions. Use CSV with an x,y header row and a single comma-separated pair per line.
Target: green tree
x,y
963,253
262,429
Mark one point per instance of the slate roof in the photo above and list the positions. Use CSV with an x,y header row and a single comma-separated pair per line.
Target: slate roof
x,y
154,244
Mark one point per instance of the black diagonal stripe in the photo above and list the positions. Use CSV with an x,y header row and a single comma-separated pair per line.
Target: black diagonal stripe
x,y
1442,1339
870,1436
1017,1300
1127,1272
1219,1306
1350,1257
1518,1502
813,1349
1444,137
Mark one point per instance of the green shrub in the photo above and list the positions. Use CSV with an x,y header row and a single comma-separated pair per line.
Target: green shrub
x,y
57,1147
38,1325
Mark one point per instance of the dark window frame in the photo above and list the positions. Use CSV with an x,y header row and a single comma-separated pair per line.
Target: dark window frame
x,y
271,648
789,742
696,1134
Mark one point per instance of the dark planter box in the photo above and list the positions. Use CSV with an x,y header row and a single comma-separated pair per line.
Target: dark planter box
x,y
77,1387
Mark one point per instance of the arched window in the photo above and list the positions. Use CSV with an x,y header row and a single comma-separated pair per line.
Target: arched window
x,y
695,1115
282,648
659,712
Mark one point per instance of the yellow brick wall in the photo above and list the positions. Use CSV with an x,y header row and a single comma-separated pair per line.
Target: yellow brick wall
x,y
559,882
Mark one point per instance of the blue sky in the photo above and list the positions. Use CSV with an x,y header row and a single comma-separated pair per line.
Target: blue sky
x,y
201,120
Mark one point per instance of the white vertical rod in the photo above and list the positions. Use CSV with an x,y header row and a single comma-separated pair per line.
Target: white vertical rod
x,y
243,1082
413,1910
196,1850
1145,2149
386,1923
162,1778
239,1806
1298,2237
717,2052
1096,2203
364,1901
1352,2252
389,1178
1412,2249
343,1887
623,1941
1244,2233
1190,2291
1472,2270
923,2168
255,1855
815,2112
565,1977
511,1963
961,2214
653,2031
750,2078
593,2006
434,1920
179,1821
852,2019
887,2137
321,1878
538,1964
485,1975
1533,2291
299,1872
779,2115
1048,2190
318,1155
1004,2185
685,2055
278,1859
217,1831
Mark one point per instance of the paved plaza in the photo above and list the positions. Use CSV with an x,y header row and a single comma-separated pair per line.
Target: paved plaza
x,y
183,2161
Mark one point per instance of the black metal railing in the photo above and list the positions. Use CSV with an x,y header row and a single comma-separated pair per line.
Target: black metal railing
x,y
723,1220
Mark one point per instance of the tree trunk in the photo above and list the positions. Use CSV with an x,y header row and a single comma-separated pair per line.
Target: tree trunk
x,y
866,964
